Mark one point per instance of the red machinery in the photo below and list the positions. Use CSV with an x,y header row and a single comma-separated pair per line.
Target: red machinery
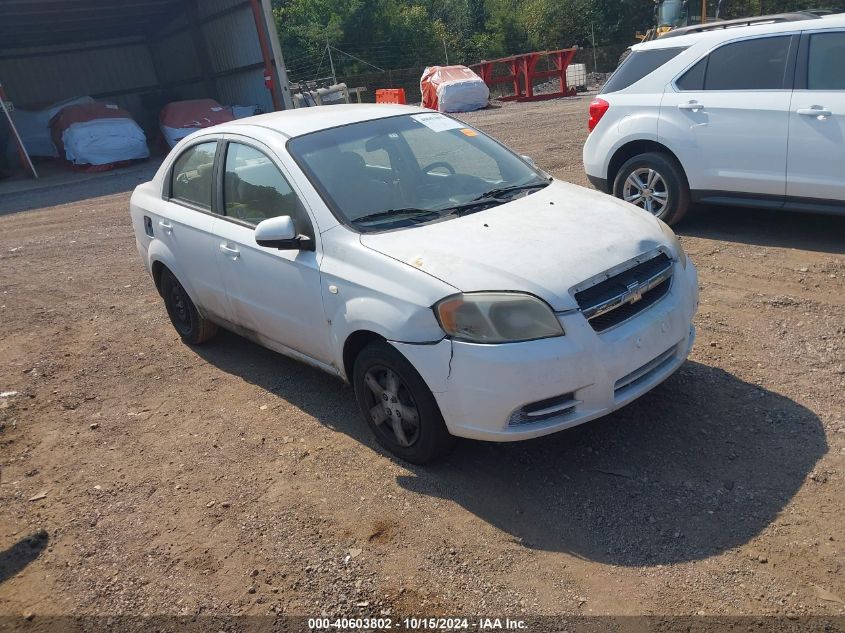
x,y
523,71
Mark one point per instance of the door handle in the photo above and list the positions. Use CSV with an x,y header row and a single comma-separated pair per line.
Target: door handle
x,y
234,253
817,111
166,226
695,106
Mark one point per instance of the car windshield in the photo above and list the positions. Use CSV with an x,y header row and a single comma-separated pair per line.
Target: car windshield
x,y
405,170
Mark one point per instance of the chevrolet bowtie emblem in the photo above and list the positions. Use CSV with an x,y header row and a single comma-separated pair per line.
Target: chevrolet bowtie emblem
x,y
634,292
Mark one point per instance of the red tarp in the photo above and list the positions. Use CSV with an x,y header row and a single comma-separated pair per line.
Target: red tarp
x,y
197,113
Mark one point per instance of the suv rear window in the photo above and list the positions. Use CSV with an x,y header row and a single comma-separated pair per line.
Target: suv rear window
x,y
637,65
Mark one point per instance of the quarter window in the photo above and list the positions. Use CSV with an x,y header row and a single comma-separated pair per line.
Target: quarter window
x,y
192,175
758,64
637,65
826,69
254,189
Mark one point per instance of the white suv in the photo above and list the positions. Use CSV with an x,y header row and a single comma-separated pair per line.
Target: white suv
x,y
745,116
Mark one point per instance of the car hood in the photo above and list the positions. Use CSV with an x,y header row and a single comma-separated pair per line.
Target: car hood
x,y
542,243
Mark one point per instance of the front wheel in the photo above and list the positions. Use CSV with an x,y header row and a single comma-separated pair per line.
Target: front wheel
x,y
398,406
656,183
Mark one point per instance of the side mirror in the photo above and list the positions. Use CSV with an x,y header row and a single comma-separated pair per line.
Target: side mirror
x,y
280,232
529,160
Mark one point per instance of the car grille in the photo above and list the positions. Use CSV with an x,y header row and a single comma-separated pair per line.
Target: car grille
x,y
622,295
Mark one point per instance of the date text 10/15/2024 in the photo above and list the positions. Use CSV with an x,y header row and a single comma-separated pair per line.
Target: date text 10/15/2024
x,y
412,623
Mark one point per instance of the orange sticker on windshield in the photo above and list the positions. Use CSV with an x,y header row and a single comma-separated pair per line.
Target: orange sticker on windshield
x,y
469,132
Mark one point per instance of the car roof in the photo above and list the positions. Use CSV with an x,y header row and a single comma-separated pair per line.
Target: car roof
x,y
301,121
717,36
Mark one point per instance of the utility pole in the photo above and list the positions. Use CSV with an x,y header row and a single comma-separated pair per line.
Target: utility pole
x,y
331,61
445,52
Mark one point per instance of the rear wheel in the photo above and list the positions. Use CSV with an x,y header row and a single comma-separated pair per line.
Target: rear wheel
x,y
656,183
190,324
398,406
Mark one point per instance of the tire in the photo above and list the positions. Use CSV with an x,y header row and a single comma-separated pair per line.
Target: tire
x,y
670,182
191,326
407,402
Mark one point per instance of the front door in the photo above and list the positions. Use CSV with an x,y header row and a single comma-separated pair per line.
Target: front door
x,y
274,295
816,162
727,119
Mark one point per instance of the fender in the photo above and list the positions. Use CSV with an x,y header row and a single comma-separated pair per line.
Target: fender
x,y
402,322
157,251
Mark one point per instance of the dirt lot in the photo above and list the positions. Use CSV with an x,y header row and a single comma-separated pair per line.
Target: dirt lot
x,y
229,480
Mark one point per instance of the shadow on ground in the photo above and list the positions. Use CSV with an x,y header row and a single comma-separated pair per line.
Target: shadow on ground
x,y
701,464
60,188
22,554
808,231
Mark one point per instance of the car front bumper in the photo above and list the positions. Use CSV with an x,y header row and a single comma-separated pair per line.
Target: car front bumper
x,y
494,392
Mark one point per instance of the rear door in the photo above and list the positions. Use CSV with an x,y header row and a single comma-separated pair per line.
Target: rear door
x,y
274,295
726,118
816,162
186,226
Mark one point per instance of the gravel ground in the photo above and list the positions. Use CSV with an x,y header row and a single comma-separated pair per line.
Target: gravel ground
x,y
141,476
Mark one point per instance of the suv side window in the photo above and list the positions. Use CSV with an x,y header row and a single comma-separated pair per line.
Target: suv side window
x,y
192,175
826,65
254,189
758,64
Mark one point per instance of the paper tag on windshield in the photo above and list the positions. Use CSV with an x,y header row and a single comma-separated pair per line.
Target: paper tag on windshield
x,y
437,122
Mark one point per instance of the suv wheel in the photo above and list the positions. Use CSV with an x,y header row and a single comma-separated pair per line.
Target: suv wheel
x,y
192,327
656,183
398,405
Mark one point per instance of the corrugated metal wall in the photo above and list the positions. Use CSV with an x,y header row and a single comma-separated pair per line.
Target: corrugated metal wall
x,y
142,75
42,76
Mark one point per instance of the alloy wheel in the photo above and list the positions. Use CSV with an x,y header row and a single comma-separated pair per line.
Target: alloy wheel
x,y
392,407
647,189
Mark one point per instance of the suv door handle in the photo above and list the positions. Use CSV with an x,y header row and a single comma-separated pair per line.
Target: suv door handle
x,y
234,253
166,226
817,111
695,106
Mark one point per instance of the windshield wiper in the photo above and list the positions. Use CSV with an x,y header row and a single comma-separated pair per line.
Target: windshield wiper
x,y
487,199
495,193
408,213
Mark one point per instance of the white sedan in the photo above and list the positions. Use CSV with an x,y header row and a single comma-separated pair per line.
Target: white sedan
x,y
460,289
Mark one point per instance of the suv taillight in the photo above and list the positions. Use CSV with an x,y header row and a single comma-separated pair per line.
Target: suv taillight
x,y
597,109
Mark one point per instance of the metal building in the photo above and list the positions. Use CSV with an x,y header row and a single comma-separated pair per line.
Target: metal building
x,y
141,54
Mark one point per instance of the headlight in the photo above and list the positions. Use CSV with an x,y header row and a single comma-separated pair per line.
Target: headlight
x,y
676,243
496,317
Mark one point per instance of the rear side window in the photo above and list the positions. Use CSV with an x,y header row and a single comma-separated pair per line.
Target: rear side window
x,y
758,64
192,173
693,79
826,67
637,65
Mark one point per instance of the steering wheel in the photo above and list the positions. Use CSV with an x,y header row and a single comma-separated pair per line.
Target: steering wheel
x,y
440,163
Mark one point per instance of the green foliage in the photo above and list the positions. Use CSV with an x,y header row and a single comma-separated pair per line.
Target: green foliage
x,y
392,34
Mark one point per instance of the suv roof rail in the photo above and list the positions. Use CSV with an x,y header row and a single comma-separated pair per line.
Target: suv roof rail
x,y
727,24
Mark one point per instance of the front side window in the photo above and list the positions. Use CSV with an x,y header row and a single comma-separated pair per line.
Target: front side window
x,y
254,189
826,65
192,175
638,65
404,170
758,64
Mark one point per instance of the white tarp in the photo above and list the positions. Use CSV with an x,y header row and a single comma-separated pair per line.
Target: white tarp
x,y
462,95
34,127
104,141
